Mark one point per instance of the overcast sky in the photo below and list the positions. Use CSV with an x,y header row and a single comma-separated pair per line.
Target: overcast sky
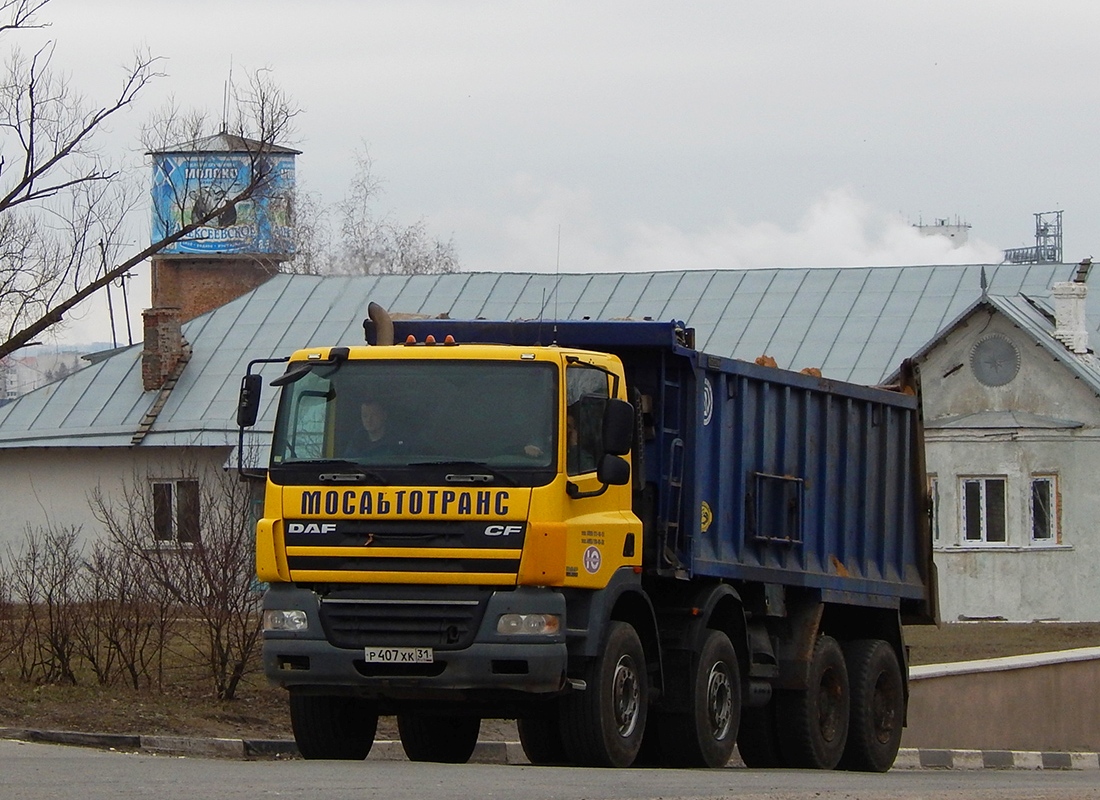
x,y
654,135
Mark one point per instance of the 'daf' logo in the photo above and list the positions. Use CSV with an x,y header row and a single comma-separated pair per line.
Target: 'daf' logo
x,y
311,527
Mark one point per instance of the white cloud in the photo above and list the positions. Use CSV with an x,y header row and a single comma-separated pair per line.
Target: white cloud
x,y
838,229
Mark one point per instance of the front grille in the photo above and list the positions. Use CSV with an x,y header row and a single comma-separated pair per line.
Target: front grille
x,y
447,622
323,551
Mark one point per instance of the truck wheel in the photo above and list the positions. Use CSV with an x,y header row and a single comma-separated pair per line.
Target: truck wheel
x,y
878,706
704,736
813,724
443,738
335,727
758,739
603,725
540,738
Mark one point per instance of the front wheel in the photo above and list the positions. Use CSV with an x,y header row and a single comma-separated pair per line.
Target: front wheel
x,y
705,734
540,737
443,738
329,726
603,725
878,706
813,723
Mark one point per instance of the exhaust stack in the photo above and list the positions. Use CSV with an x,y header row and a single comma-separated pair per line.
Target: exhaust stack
x,y
383,324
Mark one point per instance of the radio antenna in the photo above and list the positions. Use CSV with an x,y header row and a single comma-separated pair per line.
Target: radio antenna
x,y
225,98
557,283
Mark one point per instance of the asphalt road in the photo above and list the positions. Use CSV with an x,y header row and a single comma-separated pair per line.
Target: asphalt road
x,y
40,771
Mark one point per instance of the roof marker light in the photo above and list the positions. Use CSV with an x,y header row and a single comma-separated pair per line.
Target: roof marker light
x,y
429,339
449,340
410,339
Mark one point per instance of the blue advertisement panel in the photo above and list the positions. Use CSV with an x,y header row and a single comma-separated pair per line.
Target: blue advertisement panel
x,y
187,186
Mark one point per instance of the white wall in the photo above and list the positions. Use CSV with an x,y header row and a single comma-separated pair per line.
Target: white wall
x,y
53,486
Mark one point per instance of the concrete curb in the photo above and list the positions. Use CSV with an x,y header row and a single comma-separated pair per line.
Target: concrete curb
x,y
923,758
512,752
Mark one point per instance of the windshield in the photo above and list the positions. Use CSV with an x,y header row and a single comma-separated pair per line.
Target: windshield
x,y
420,414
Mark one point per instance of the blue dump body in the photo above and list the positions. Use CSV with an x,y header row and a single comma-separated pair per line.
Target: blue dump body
x,y
755,473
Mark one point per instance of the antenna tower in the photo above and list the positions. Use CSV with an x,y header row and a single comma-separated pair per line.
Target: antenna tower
x,y
1048,242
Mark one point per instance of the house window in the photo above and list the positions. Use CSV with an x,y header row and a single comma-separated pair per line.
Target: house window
x,y
934,506
983,507
1044,509
176,511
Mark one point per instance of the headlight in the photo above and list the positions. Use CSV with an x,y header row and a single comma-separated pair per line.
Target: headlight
x,y
536,624
285,621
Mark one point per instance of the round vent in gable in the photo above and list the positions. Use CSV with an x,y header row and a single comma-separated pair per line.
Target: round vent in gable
x,y
994,360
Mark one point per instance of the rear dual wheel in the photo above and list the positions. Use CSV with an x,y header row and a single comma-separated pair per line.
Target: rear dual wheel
x,y
813,723
878,706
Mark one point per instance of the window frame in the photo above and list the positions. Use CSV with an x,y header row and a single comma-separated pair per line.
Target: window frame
x,y
934,506
176,510
983,482
1054,513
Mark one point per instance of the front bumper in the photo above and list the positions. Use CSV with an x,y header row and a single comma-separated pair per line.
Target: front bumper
x,y
491,661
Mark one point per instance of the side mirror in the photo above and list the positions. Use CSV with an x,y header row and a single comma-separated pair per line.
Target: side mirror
x,y
248,404
613,470
618,428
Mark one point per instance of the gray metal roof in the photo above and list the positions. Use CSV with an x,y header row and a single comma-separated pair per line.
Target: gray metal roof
x,y
855,324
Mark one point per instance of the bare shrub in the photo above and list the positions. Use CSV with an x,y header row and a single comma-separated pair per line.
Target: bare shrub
x,y
129,617
44,574
209,573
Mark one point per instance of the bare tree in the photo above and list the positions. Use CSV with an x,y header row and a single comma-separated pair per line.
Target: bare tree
x,y
62,202
368,242
208,573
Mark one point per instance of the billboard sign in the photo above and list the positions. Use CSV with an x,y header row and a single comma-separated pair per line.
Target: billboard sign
x,y
187,185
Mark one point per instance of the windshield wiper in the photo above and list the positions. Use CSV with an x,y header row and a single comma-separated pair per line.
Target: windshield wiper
x,y
349,471
480,472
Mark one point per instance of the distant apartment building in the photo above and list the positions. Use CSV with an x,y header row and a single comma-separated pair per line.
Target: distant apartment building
x,y
35,368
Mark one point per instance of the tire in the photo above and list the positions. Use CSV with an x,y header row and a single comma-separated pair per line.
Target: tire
x,y
603,725
813,724
705,735
540,738
441,738
878,706
758,738
333,727
652,753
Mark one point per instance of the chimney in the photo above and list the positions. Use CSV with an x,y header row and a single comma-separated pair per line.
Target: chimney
x,y
163,346
1070,327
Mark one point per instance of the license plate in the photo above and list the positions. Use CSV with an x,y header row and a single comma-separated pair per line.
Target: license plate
x,y
399,655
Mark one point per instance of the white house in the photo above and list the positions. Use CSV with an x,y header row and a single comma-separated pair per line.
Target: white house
x,y
1012,425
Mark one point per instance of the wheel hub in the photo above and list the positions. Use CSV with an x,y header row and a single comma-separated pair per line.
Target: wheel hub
x,y
626,693
719,701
